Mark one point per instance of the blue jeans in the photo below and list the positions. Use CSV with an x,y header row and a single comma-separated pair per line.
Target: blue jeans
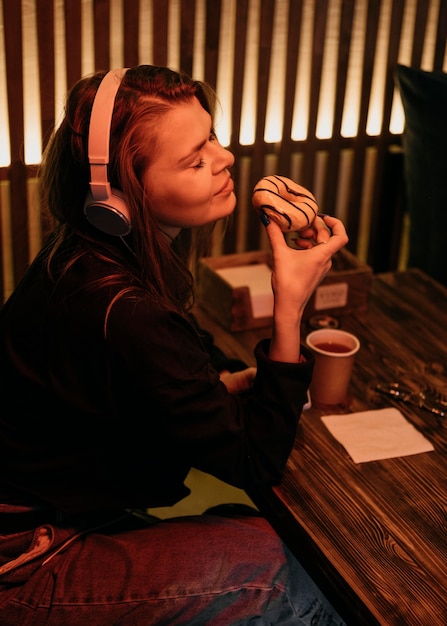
x,y
191,571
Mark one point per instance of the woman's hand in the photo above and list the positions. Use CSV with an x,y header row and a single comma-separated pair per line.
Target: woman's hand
x,y
295,276
238,382
317,232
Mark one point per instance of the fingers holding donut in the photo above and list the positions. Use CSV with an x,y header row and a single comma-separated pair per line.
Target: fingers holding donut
x,y
325,229
293,208
318,232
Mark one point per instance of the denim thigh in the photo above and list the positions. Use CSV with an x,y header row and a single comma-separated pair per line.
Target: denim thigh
x,y
192,571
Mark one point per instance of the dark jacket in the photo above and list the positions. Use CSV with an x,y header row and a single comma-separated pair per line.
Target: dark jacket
x,y
93,422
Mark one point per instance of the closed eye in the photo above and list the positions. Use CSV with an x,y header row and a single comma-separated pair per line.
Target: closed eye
x,y
202,162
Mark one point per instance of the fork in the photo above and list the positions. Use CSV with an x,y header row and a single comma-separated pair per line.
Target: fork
x,y
421,399
437,396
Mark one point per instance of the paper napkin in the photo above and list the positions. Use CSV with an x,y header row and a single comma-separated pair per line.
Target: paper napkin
x,y
377,434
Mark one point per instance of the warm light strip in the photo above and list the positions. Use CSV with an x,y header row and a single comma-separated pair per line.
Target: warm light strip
x,y
145,26
224,85
198,68
5,147
248,112
302,90
60,68
174,34
397,118
116,34
430,36
351,107
326,104
31,100
87,37
277,74
375,109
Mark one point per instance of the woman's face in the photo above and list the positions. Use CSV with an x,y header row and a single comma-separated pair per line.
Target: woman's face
x,y
189,183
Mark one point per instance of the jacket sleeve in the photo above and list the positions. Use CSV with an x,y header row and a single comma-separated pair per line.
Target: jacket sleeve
x,y
218,358
241,439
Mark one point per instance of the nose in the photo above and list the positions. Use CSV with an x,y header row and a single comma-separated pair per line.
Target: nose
x,y
224,158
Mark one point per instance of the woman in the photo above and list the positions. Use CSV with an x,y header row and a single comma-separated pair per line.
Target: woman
x,y
113,395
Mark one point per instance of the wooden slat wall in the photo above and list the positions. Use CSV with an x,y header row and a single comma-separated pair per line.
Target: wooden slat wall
x,y
16,174
359,177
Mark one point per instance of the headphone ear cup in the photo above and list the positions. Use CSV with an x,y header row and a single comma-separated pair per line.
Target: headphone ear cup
x,y
111,215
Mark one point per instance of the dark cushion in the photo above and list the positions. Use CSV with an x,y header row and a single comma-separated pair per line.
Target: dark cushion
x,y
424,99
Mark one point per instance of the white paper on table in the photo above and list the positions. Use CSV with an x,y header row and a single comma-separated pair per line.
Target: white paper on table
x,y
377,434
257,277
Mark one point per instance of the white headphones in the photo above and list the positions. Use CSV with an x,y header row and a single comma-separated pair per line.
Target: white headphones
x,y
104,206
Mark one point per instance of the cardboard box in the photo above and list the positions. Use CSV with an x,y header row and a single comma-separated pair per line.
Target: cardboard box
x,y
344,289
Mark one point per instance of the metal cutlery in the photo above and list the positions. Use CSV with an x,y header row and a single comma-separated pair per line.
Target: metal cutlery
x,y
422,399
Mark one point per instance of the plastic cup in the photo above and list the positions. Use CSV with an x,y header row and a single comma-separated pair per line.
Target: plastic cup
x,y
334,350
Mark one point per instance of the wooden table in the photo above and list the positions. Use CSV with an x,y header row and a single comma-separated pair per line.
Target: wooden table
x,y
372,535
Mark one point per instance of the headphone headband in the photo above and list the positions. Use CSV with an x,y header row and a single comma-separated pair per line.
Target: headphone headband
x,y
104,207
99,133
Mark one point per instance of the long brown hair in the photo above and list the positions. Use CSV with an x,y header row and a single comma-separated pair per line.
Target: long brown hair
x,y
155,264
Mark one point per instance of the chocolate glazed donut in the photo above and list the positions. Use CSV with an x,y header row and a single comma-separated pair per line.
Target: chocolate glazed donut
x,y
290,205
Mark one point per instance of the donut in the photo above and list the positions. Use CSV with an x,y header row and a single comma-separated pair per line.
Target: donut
x,y
290,205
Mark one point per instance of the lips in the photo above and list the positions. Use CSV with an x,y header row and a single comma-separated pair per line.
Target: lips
x,y
228,187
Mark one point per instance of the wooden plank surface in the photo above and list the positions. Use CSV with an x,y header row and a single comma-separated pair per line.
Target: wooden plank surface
x,y
373,535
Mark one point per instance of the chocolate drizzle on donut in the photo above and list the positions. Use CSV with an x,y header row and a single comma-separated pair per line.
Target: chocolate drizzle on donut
x,y
302,198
